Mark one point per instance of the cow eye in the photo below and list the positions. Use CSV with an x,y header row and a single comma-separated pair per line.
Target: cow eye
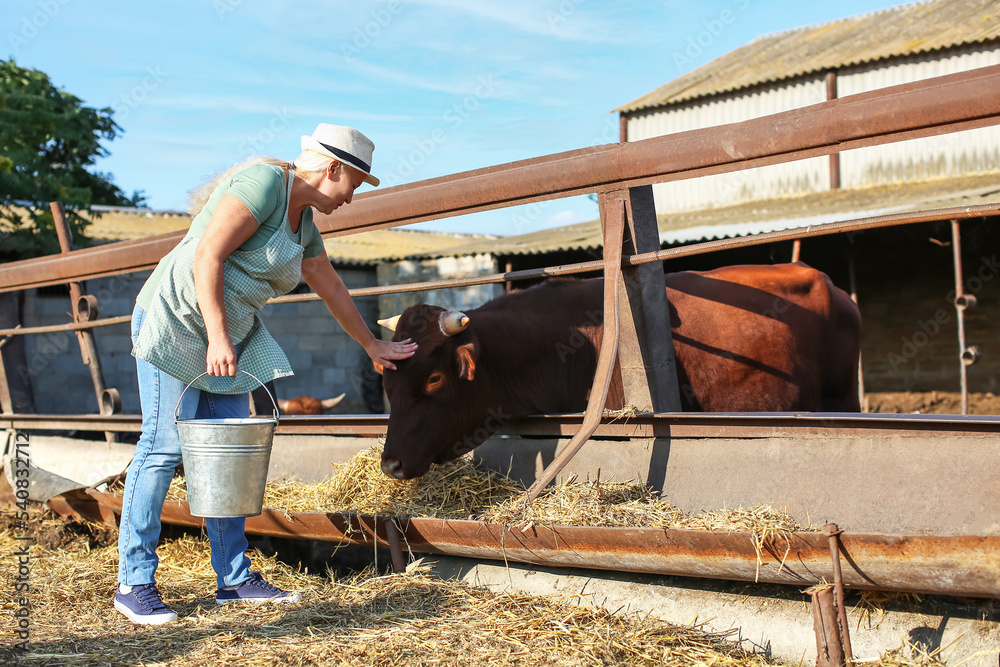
x,y
435,381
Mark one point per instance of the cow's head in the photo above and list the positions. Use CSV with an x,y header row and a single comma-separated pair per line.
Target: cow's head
x,y
438,408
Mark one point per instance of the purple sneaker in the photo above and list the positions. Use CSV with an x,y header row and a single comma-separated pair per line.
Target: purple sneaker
x,y
143,605
255,589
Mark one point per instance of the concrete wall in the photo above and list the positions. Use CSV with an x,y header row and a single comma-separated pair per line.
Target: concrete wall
x,y
906,289
414,271
61,382
326,361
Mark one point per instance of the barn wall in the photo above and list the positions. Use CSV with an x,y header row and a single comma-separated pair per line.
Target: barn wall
x,y
974,151
778,180
325,359
906,289
414,271
59,378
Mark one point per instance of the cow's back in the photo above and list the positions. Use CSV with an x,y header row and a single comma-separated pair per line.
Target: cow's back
x,y
764,338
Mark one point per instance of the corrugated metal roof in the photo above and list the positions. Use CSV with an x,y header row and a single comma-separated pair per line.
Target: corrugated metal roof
x,y
389,244
364,248
759,216
127,225
897,31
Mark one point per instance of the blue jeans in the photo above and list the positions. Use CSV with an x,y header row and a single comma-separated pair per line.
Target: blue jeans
x,y
157,454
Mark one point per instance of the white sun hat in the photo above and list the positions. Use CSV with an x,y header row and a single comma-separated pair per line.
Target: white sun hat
x,y
344,144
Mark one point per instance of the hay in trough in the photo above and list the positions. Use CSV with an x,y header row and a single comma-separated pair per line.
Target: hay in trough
x,y
589,503
406,619
461,490
454,490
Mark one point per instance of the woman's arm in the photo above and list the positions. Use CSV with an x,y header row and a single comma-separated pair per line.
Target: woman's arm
x,y
320,275
231,225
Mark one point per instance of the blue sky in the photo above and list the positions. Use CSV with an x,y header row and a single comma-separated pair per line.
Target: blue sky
x,y
441,86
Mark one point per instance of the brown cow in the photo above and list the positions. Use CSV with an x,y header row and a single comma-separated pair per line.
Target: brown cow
x,y
746,339
307,405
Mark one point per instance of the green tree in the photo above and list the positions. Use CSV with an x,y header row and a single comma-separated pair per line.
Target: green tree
x,y
49,142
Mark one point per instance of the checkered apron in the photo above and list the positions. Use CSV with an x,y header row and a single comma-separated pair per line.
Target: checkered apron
x,y
173,336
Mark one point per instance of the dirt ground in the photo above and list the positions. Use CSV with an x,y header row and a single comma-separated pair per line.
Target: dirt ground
x,y
54,532
934,402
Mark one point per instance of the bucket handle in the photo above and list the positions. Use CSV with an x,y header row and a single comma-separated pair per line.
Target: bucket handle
x,y
177,408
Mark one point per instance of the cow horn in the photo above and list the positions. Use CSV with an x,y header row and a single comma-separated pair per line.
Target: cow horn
x,y
453,322
389,322
331,402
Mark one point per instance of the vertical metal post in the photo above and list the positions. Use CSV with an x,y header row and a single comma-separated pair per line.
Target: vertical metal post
x,y
829,651
796,249
395,546
966,355
854,297
831,94
6,402
88,346
613,215
645,348
833,534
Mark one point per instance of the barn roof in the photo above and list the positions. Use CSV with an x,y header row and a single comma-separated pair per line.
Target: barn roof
x,y
366,248
898,31
757,216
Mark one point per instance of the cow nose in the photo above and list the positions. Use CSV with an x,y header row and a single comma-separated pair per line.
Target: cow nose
x,y
392,468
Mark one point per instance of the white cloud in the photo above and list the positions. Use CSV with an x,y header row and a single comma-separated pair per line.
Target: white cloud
x,y
564,20
253,105
564,218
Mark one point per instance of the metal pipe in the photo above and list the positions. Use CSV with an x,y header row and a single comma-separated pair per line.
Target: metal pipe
x,y
679,425
831,94
395,547
6,402
833,534
613,219
829,651
71,326
949,565
88,346
853,286
960,304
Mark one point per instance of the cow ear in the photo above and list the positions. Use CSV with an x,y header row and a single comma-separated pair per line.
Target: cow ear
x,y
378,367
467,356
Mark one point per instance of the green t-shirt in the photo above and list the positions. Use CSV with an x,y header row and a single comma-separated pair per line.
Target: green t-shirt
x,y
262,189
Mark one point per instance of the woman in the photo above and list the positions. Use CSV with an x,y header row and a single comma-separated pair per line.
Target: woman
x,y
195,321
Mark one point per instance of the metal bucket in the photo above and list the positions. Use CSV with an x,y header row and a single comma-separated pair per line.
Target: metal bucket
x,y
225,461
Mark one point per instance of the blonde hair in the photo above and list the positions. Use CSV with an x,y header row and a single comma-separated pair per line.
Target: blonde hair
x,y
308,161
